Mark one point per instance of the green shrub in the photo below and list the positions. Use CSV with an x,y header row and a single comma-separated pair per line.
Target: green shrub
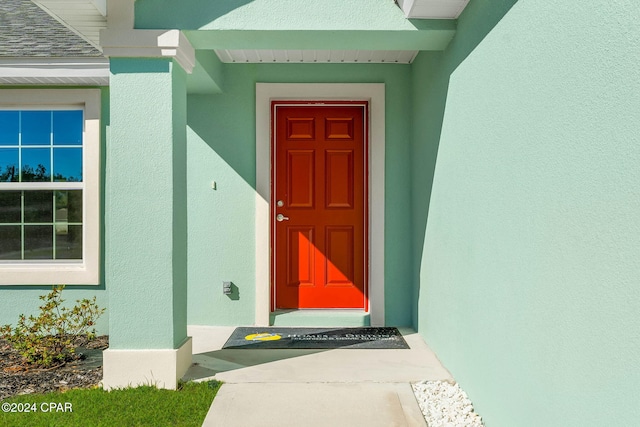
x,y
50,337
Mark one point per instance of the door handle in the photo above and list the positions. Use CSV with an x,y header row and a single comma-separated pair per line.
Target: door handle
x,y
281,218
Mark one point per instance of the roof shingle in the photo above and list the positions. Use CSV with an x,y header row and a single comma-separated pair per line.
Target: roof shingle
x,y
28,31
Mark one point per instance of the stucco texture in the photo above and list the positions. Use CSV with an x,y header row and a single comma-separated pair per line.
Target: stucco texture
x,y
146,264
529,266
221,148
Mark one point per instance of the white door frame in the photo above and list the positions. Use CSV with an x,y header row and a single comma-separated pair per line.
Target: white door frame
x,y
374,94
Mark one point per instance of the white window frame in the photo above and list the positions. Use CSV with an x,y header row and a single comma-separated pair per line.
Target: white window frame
x,y
63,272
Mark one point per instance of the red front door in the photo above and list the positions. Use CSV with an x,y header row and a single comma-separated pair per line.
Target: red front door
x,y
319,205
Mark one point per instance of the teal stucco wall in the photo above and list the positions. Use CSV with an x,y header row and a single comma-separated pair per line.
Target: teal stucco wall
x,y
146,218
16,300
221,148
529,265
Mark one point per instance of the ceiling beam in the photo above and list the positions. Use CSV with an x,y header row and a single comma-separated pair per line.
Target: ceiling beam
x,y
432,9
433,35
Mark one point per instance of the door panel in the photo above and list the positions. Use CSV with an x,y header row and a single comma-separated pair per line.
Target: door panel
x,y
301,179
319,192
339,128
300,247
339,263
339,179
301,128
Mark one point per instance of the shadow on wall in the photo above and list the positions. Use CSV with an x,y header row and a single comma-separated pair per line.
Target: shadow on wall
x,y
215,120
180,14
430,77
223,149
244,14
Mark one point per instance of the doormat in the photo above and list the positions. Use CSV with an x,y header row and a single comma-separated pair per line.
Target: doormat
x,y
315,338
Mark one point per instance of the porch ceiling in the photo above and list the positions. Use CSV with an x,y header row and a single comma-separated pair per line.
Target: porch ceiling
x,y
316,56
420,35
329,31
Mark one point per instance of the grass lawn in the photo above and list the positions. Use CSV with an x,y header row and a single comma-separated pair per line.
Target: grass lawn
x,y
142,406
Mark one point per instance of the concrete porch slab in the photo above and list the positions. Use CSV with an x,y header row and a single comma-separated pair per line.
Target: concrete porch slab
x,y
315,405
341,387
309,366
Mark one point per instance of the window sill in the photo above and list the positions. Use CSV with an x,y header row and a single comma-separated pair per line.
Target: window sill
x,y
48,273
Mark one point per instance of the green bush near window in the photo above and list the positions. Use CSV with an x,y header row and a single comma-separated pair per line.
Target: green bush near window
x,y
50,338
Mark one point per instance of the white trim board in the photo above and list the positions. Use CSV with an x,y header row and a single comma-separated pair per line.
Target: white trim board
x,y
374,93
284,56
432,9
149,44
83,72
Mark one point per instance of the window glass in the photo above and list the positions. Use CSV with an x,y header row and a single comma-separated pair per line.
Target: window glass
x,y
68,217
69,206
46,224
41,223
38,206
67,127
36,165
9,127
38,242
9,169
36,128
67,164
68,241
10,242
10,207
49,228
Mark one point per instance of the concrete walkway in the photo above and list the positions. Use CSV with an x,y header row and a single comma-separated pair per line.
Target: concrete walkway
x,y
312,388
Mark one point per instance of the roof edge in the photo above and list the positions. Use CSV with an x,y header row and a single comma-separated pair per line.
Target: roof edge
x,y
70,27
54,71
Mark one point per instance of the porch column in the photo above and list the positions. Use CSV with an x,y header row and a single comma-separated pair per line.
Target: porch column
x,y
146,217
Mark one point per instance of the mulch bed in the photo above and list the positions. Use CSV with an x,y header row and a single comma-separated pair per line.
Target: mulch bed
x,y
82,373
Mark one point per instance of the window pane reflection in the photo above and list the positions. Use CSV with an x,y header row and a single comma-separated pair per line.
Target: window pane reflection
x,y
36,165
45,147
67,127
38,242
10,242
9,170
10,202
38,206
36,128
67,164
69,206
68,241
9,125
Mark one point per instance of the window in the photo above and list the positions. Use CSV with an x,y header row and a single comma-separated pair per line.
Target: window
x,y
49,187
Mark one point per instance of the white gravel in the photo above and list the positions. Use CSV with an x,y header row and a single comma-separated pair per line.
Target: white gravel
x,y
445,404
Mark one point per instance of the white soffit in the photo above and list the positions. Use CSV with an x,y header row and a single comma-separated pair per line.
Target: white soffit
x,y
51,71
316,56
432,9
84,17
